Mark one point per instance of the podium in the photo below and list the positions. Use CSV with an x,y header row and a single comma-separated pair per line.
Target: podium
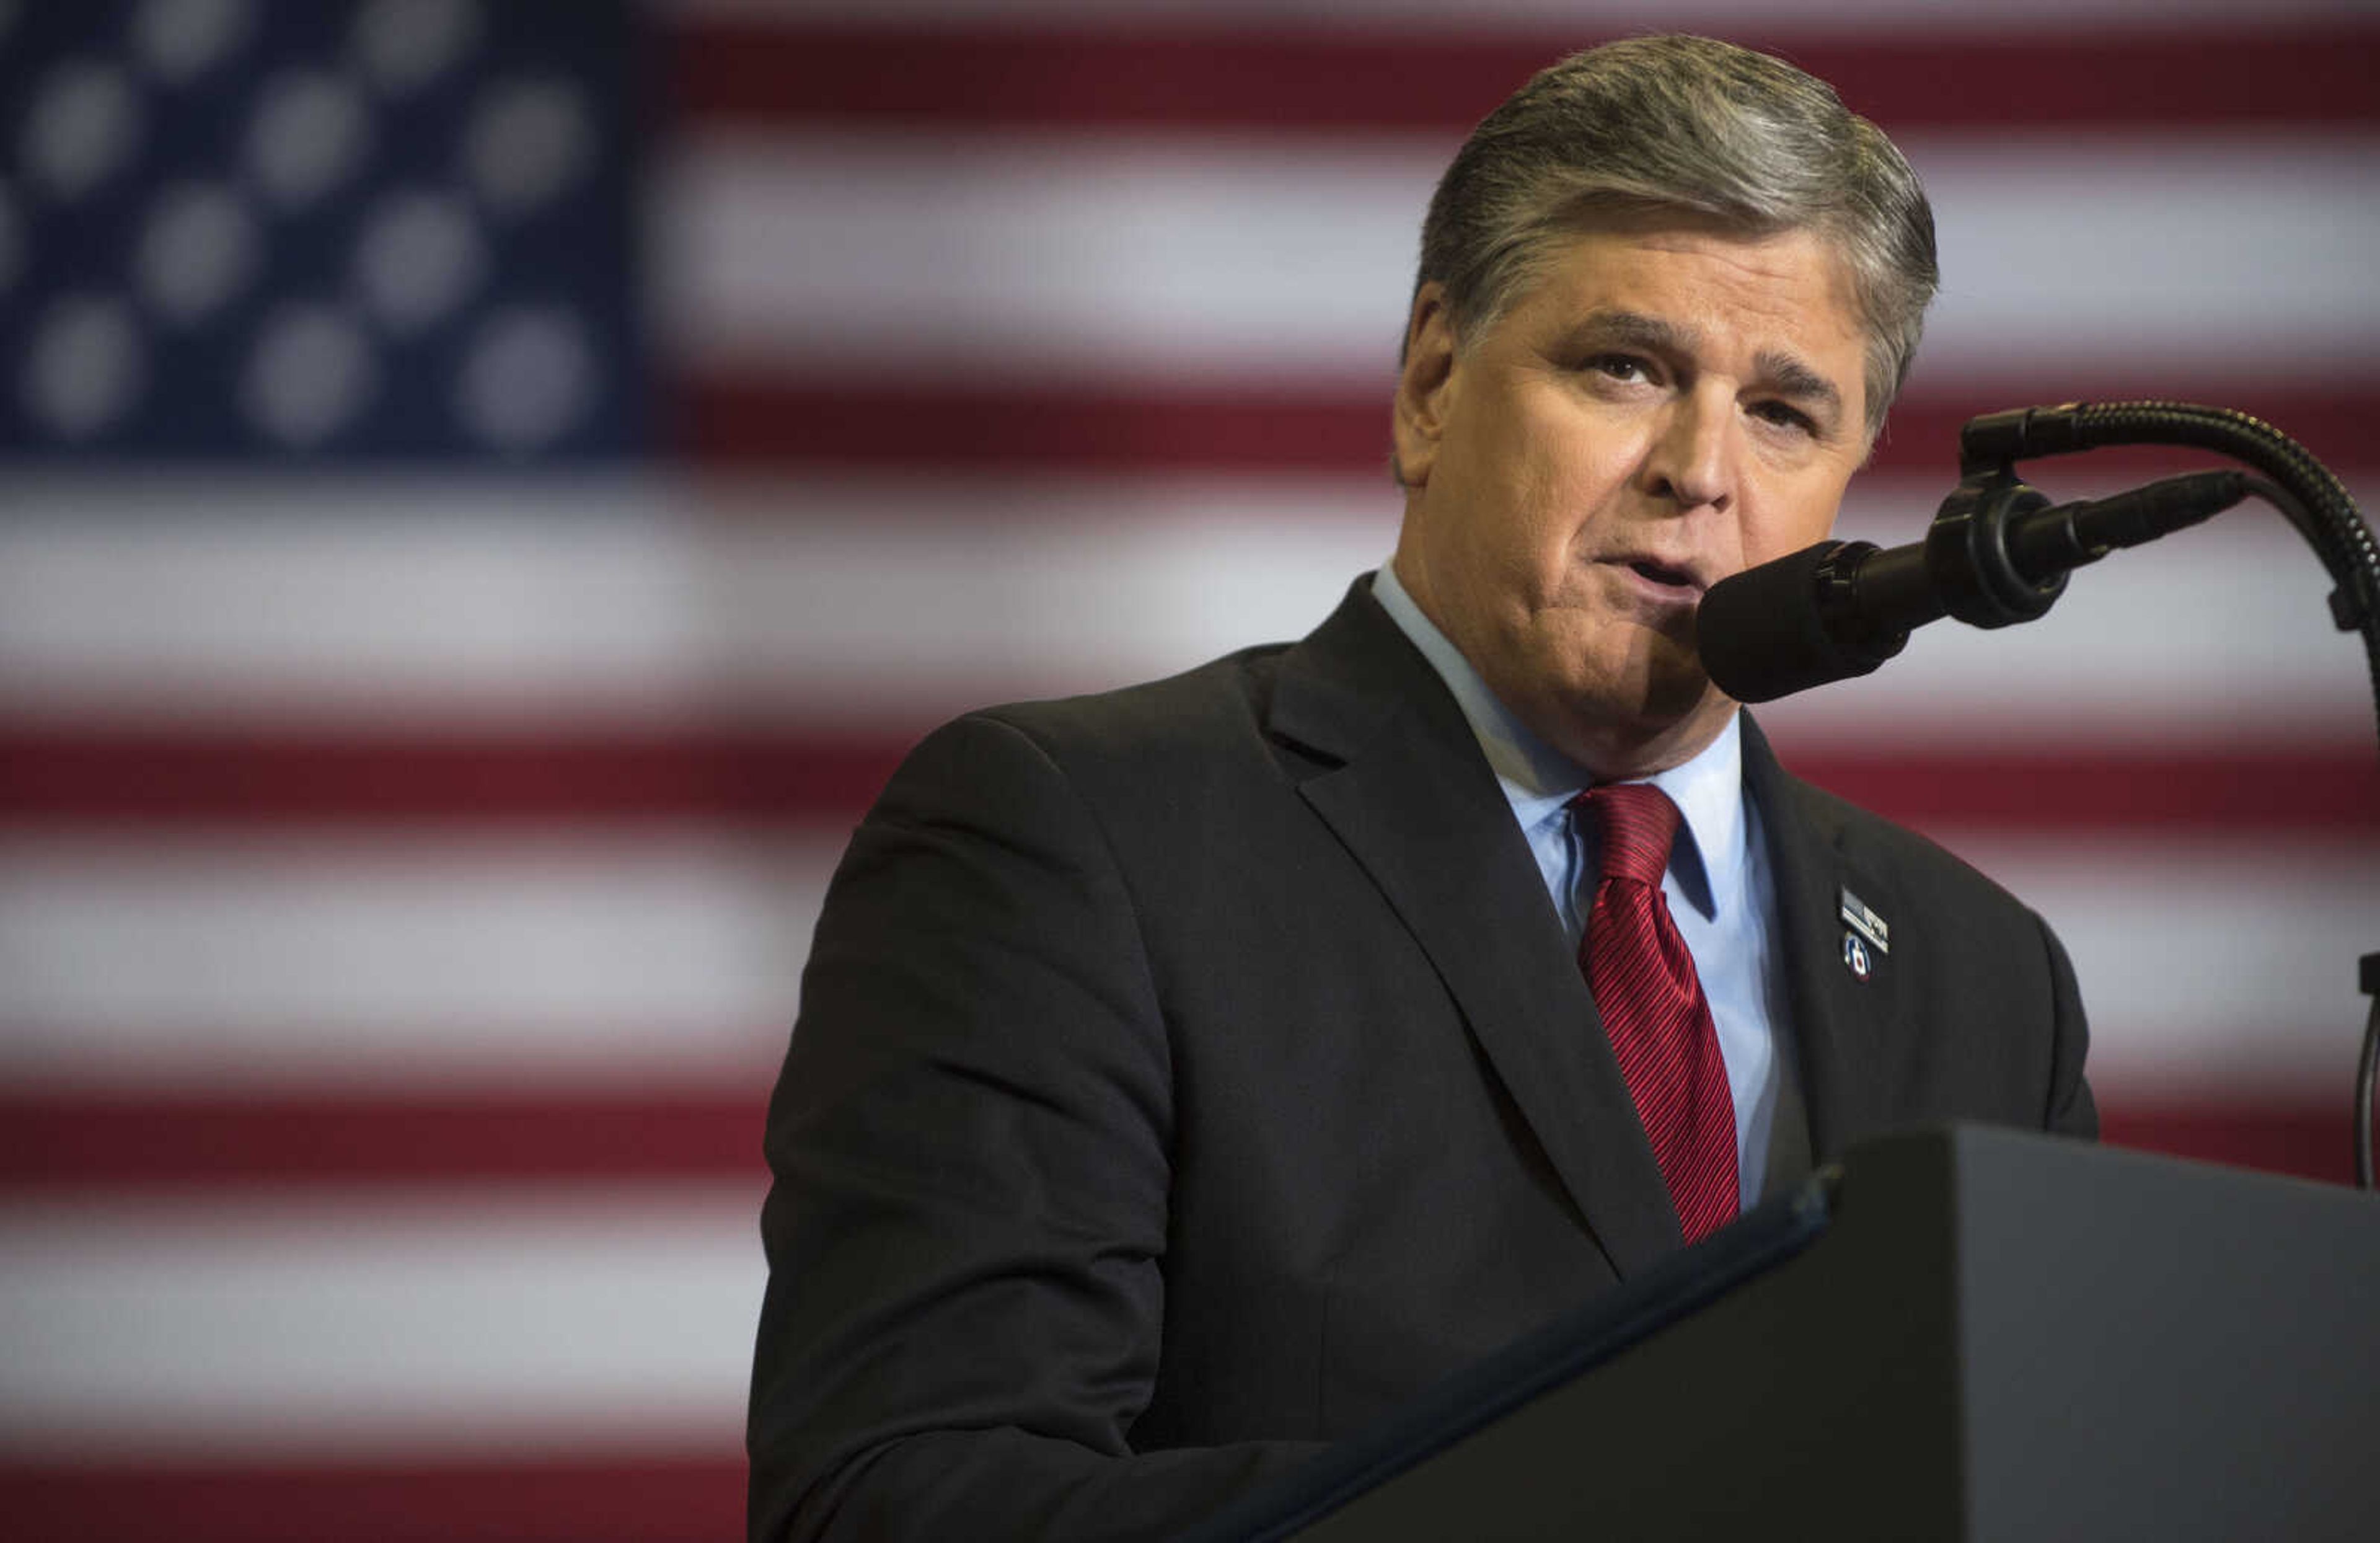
x,y
1961,1333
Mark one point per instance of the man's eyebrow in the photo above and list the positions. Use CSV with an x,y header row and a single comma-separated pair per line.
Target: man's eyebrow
x,y
1792,378
1633,329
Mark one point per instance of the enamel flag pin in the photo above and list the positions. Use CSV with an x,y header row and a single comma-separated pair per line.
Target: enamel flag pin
x,y
1862,929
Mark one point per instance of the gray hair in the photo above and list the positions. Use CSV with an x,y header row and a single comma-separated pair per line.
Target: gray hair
x,y
1677,124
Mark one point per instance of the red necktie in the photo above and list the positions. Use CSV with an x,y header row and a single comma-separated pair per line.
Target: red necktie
x,y
1653,1007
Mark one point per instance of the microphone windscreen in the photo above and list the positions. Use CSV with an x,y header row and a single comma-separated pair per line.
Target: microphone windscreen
x,y
1762,634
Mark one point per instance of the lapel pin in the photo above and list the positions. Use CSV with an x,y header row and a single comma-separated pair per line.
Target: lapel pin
x,y
1855,956
1861,919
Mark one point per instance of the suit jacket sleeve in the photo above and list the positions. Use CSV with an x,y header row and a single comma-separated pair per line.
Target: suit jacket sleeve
x,y
970,1144
2071,1110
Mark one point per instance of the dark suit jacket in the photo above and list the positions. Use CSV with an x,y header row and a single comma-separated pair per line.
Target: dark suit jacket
x,y
1189,1074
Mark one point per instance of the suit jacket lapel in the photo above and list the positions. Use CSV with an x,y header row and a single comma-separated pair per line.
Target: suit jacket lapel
x,y
1843,1025
1414,801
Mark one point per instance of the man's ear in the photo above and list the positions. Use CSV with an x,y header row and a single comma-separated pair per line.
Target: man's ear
x,y
1424,384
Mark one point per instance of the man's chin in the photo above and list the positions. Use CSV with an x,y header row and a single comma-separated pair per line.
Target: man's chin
x,y
1678,689
1659,686
1641,723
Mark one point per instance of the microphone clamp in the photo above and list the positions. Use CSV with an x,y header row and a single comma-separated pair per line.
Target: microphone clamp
x,y
1974,570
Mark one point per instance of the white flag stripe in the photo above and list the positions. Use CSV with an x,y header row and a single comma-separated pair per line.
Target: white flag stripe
x,y
2233,259
2214,964
1236,260
388,962
416,963
897,603
187,599
492,600
446,1324
1120,256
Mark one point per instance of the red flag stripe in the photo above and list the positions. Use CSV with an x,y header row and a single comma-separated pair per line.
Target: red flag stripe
x,y
170,776
52,777
591,1498
2166,788
752,421
170,1145
2311,1139
199,1142
761,74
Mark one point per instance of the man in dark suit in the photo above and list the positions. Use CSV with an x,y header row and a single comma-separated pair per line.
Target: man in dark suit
x,y
1187,1077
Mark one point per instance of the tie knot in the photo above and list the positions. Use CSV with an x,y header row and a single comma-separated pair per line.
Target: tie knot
x,y
1635,823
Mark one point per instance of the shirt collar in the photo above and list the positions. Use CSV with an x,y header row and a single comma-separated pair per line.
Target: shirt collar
x,y
1539,781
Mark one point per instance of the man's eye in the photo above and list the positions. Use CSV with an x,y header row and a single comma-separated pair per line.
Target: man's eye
x,y
1620,367
1785,415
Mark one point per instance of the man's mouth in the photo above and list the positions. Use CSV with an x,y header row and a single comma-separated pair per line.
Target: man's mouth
x,y
1664,573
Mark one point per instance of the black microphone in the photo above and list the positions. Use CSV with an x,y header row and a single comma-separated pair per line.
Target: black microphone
x,y
1999,552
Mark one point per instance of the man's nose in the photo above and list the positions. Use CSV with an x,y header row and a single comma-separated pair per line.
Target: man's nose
x,y
1692,457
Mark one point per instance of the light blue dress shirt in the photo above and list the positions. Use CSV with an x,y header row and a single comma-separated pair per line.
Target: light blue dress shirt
x,y
1718,885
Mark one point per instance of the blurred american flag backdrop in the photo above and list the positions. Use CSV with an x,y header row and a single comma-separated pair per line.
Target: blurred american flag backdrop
x,y
488,490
